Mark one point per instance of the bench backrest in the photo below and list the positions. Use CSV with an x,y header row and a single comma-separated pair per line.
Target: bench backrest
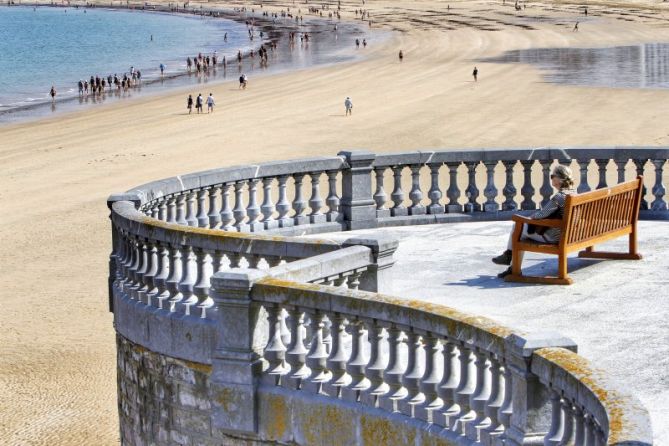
x,y
602,211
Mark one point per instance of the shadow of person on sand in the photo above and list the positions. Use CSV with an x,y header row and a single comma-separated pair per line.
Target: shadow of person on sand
x,y
547,267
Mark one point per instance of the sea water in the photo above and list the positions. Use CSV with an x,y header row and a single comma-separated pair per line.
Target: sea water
x,y
45,46
630,66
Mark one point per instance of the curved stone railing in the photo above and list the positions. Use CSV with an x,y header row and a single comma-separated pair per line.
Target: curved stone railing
x,y
267,316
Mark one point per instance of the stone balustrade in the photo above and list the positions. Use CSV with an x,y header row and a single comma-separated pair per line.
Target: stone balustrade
x,y
283,326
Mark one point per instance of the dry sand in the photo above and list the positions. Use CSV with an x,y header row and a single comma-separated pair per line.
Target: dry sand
x,y
57,360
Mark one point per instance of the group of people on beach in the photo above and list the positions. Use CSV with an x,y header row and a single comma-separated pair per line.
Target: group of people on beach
x,y
97,84
198,102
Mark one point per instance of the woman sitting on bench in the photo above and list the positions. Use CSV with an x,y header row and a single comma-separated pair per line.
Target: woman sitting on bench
x,y
562,180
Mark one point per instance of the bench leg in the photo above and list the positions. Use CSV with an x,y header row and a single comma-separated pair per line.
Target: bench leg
x,y
517,275
632,254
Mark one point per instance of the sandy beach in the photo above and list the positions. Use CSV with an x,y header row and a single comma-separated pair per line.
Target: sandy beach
x,y
57,355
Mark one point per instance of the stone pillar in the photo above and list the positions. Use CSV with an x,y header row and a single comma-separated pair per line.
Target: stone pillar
x,y
531,415
134,199
357,203
378,277
236,360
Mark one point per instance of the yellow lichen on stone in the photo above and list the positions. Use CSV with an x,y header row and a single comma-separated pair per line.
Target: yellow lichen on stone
x,y
277,421
376,431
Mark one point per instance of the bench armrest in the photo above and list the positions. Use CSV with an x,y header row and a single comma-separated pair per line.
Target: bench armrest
x,y
548,222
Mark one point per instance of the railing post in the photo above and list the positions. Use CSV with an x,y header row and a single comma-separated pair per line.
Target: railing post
x,y
116,242
378,277
357,204
531,413
236,359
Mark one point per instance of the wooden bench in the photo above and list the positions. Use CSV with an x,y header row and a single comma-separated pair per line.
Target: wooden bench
x,y
589,218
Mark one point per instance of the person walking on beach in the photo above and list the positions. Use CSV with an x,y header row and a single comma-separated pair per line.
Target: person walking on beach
x,y
198,103
53,93
401,55
189,103
575,27
81,87
357,43
210,104
162,69
242,81
349,106
475,73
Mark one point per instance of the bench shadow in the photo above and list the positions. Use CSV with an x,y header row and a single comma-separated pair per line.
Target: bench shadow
x,y
539,267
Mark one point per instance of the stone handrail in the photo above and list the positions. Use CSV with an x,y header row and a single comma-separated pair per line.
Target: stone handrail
x,y
179,287
465,377
229,199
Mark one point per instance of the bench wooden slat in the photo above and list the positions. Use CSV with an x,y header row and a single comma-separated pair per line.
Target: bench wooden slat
x,y
590,218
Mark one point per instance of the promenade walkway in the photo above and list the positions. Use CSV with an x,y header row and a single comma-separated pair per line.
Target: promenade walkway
x,y
616,311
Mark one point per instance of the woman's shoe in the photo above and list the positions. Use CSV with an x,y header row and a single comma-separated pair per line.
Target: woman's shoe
x,y
504,273
503,259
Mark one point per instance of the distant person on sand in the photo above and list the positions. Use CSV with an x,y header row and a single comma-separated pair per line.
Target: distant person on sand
x,y
349,106
585,11
53,93
475,73
162,69
189,103
357,43
198,103
210,103
242,81
576,27
401,55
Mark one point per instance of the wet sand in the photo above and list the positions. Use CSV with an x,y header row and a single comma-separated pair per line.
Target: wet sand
x,y
57,355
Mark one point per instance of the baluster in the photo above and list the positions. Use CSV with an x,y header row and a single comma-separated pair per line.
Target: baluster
x,y
201,287
129,261
316,202
283,205
275,351
509,190
227,217
449,382
568,420
659,190
494,403
354,280
138,272
162,209
181,210
465,390
235,259
253,210
416,195
527,191
453,191
395,370
163,271
267,207
317,356
171,210
479,398
191,219
380,196
151,271
555,432
202,217
120,257
299,205
435,192
639,164
154,211
429,383
214,213
172,283
376,367
589,430
472,192
601,167
332,200
297,353
583,185
254,260
397,195
579,427
546,189
490,191
239,211
412,376
357,363
620,168
187,280
338,358
506,410
217,262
